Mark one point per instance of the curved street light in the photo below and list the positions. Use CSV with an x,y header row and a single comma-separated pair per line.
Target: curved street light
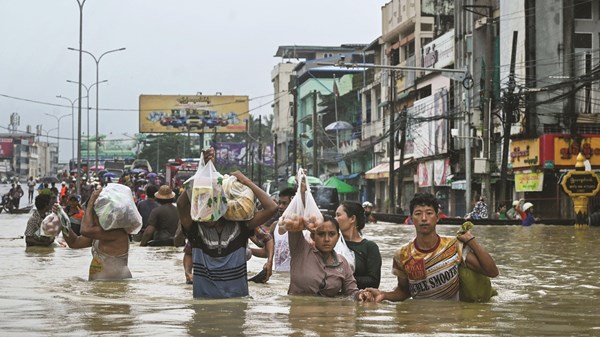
x,y
58,128
97,60
87,90
72,102
48,147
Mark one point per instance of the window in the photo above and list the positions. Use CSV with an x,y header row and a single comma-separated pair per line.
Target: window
x,y
368,104
583,41
583,9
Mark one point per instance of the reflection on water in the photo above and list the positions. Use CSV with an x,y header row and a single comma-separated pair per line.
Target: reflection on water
x,y
548,286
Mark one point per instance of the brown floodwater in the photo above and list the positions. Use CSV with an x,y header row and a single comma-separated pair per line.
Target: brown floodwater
x,y
548,286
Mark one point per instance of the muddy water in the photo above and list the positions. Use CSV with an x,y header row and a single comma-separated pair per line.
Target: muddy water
x,y
548,287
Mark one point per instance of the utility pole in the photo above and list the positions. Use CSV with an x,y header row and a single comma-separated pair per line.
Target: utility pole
x,y
403,120
391,147
487,106
314,143
511,104
260,151
294,91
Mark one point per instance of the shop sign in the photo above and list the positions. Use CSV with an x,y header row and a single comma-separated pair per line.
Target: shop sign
x,y
529,182
524,153
581,183
566,151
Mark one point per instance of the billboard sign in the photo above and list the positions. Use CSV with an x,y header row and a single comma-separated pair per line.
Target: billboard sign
x,y
235,154
6,148
193,113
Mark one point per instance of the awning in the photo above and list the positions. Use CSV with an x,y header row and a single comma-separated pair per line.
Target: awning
x,y
382,171
382,104
378,172
348,176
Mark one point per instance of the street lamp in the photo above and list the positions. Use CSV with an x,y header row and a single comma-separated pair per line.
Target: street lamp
x,y
47,148
97,60
58,128
72,102
87,89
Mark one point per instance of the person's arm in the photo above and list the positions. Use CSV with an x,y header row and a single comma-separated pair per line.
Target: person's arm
x,y
184,207
33,241
478,259
77,241
268,266
150,229
269,207
400,293
90,225
148,235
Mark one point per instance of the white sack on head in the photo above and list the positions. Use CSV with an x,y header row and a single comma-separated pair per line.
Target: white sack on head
x,y
116,208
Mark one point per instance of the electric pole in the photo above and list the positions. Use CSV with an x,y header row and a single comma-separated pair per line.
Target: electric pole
x,y
510,110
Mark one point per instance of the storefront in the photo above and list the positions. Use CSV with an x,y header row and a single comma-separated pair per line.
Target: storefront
x,y
539,164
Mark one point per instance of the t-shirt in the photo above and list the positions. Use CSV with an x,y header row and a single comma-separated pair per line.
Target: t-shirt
x,y
165,219
145,207
219,259
281,255
431,274
367,263
310,275
31,185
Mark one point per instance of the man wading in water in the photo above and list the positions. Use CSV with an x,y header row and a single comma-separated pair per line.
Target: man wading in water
x,y
427,267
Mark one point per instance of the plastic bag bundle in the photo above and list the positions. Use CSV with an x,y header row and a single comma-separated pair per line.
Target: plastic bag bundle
x,y
311,209
474,287
240,200
208,202
116,208
341,248
50,225
292,218
65,222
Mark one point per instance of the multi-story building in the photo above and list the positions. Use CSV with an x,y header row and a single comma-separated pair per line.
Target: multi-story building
x,y
306,102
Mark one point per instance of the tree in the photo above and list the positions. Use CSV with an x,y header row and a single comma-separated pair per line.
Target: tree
x,y
158,149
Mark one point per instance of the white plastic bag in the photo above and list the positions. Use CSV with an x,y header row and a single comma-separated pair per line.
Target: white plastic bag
x,y
50,225
65,222
240,200
341,248
312,213
116,208
292,217
208,202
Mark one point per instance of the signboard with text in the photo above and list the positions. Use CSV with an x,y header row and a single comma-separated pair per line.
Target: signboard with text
x,y
566,151
193,113
529,182
581,183
524,153
6,148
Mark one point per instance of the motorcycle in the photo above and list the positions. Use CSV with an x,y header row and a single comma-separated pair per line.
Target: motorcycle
x,y
7,204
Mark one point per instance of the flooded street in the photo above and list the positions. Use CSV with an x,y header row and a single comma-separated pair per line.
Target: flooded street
x,y
548,286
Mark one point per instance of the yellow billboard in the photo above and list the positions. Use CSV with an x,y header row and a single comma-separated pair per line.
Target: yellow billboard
x,y
193,113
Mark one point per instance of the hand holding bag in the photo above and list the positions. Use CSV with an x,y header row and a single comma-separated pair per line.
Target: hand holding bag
x,y
292,218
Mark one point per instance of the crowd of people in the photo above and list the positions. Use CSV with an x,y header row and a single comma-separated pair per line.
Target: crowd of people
x,y
216,251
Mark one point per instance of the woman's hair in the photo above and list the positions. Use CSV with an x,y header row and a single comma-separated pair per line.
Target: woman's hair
x,y
354,208
332,220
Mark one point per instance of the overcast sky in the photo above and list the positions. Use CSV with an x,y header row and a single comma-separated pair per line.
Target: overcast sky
x,y
172,47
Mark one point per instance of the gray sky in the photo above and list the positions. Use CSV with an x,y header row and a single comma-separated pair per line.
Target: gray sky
x,y
173,47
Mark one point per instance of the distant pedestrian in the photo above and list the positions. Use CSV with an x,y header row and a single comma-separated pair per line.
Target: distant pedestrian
x,y
30,188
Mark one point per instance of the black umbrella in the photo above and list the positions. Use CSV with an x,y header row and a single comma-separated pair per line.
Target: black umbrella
x,y
49,180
